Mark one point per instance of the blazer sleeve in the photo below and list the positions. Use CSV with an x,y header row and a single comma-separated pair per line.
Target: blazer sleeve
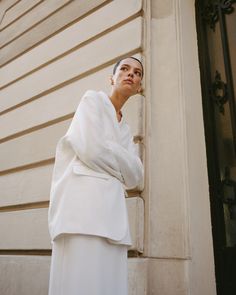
x,y
87,137
130,165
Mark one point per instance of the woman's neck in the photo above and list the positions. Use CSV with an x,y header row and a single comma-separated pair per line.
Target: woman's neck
x,y
118,100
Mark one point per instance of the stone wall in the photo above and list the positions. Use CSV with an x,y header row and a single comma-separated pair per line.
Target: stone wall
x,y
51,53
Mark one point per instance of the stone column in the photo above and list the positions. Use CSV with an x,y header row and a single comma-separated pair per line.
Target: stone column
x,y
178,240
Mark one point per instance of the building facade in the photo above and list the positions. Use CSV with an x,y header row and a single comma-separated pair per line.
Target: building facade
x,y
51,53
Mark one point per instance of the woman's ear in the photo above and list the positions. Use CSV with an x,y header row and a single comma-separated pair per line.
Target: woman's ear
x,y
140,89
111,80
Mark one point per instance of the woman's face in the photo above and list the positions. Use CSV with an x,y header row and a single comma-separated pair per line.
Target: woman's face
x,y
128,76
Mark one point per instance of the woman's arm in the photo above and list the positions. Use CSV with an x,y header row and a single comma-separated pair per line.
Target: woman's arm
x,y
86,135
130,165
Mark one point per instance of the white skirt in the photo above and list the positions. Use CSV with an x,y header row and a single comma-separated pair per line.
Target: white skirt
x,y
88,265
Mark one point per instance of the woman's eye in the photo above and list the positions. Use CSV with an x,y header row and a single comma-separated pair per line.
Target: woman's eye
x,y
124,68
138,73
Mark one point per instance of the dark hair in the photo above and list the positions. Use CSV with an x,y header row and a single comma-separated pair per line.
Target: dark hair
x,y
119,61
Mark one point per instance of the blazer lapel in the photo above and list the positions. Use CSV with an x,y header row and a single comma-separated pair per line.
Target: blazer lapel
x,y
112,114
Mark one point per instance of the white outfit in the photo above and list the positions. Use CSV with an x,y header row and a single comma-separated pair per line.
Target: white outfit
x,y
88,265
95,161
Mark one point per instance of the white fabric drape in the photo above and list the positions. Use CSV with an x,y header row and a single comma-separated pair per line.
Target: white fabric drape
x,y
87,265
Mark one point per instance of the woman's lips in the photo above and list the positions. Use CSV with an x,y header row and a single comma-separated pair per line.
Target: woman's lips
x,y
129,81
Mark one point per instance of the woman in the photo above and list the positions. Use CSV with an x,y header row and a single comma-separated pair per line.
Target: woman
x,y
95,162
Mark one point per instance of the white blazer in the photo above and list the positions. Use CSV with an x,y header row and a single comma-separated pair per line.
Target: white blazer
x,y
95,161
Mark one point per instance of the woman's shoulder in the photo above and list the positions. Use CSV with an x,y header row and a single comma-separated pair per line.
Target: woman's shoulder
x,y
91,93
97,97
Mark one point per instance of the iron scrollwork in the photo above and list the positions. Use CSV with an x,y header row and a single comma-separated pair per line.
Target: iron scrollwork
x,y
211,11
228,193
219,92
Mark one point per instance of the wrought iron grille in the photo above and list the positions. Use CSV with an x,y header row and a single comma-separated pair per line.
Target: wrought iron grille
x,y
215,11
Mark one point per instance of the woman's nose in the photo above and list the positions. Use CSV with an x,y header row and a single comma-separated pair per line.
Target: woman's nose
x,y
131,74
